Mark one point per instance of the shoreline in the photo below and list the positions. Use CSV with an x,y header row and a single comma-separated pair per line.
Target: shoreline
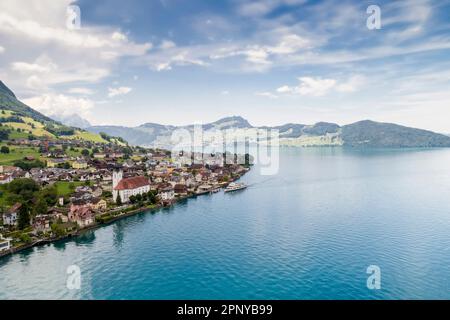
x,y
97,225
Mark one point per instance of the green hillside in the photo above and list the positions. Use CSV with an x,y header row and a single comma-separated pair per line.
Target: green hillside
x,y
21,121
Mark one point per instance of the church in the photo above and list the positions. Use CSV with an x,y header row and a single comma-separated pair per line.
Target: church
x,y
125,188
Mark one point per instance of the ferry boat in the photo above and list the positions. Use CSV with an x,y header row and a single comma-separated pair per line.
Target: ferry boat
x,y
235,186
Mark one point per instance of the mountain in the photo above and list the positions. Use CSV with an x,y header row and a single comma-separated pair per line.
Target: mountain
x,y
8,101
376,134
360,134
72,120
21,121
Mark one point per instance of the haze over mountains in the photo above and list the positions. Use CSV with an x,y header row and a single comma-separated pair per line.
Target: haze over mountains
x,y
359,134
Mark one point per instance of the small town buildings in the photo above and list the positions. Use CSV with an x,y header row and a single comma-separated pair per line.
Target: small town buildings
x,y
98,204
5,244
166,194
82,215
6,178
127,187
79,164
11,216
41,223
55,162
180,190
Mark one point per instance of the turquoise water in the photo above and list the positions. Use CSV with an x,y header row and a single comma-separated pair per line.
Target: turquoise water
x,y
308,232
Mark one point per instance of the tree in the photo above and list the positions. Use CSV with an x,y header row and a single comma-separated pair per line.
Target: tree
x,y
85,153
40,207
50,195
24,216
118,200
24,188
4,149
132,199
4,134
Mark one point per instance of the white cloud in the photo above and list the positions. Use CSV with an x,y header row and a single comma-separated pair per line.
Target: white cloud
x,y
266,94
112,92
60,105
263,7
316,87
167,44
82,91
50,53
2,49
225,93
25,67
310,87
352,84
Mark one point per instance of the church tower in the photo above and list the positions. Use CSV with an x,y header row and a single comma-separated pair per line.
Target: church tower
x,y
116,177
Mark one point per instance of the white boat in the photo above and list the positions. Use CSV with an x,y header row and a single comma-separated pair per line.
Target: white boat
x,y
235,186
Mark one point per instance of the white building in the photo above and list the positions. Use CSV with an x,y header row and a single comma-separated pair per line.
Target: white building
x,y
125,188
5,244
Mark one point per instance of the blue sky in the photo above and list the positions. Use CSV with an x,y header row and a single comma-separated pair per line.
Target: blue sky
x,y
270,61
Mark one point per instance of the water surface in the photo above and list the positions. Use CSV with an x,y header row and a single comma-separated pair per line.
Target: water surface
x,y
308,232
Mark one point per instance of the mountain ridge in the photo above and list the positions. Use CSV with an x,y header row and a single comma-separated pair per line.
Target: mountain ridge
x,y
366,133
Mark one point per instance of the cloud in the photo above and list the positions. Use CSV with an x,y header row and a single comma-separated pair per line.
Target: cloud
x,y
178,58
352,84
51,54
112,92
167,44
316,87
266,94
225,93
2,49
309,87
60,105
81,91
263,7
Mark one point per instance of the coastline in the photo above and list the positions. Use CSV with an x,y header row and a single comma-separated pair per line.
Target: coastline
x,y
98,224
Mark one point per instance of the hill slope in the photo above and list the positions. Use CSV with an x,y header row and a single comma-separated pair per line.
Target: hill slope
x,y
22,121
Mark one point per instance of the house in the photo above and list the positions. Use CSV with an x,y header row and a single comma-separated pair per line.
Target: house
x,y
180,190
5,244
55,162
97,192
79,164
8,169
99,155
41,223
166,194
127,187
82,215
5,178
98,204
11,216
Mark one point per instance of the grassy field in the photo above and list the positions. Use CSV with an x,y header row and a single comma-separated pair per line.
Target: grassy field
x,y
88,136
17,153
65,188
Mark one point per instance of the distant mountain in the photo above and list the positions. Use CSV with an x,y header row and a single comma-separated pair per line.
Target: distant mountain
x,y
376,134
73,120
360,134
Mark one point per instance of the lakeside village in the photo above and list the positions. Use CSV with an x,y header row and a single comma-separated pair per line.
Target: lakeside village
x,y
73,185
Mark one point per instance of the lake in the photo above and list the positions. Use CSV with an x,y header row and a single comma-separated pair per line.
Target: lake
x,y
308,232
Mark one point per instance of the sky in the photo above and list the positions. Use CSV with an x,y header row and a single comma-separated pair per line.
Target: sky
x,y
269,61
